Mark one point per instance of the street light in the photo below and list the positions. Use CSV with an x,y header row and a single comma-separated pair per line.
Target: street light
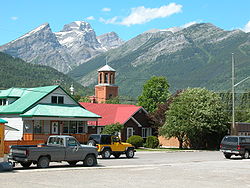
x,y
233,130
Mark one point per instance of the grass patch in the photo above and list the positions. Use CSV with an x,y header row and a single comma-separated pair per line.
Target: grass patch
x,y
174,149
162,149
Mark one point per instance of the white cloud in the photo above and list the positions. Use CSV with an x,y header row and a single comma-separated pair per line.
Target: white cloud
x,y
109,21
106,9
90,18
189,24
140,15
247,27
14,18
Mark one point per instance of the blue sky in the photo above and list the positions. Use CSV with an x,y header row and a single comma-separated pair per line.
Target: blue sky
x,y
128,18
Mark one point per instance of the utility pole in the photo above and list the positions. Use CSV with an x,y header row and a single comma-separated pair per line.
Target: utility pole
x,y
233,131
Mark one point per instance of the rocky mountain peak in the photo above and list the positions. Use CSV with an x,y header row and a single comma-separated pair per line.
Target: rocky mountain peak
x,y
44,28
78,26
73,45
110,40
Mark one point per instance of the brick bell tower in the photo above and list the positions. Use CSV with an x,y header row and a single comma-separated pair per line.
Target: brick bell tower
x,y
106,88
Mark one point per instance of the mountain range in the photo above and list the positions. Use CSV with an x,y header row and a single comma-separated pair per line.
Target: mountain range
x,y
64,50
196,56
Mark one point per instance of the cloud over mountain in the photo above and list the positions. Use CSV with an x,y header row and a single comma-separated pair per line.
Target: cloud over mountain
x,y
141,15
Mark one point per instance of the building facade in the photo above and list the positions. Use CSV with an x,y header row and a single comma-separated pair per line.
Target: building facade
x,y
43,111
134,118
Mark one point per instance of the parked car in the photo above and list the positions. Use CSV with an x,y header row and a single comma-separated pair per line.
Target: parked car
x,y
235,145
108,145
58,148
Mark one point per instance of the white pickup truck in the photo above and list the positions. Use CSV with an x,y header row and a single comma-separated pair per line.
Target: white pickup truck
x,y
58,148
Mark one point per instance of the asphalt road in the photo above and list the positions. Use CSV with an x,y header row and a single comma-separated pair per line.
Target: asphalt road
x,y
147,169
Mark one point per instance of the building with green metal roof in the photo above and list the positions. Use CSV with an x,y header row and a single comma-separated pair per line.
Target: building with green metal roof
x,y
43,111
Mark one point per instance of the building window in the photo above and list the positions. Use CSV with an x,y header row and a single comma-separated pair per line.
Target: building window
x,y
146,132
57,100
2,102
38,127
244,133
74,127
54,100
112,79
100,78
82,126
60,100
130,132
66,127
106,78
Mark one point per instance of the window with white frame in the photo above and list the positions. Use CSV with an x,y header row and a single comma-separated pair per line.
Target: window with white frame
x,y
57,99
74,127
38,126
2,102
146,132
130,132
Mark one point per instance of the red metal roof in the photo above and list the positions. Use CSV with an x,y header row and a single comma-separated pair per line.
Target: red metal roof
x,y
111,113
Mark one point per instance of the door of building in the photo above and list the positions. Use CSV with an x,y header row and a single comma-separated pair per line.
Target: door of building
x,y
55,127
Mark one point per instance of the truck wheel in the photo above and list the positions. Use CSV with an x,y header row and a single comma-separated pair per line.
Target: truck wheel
x,y
26,164
246,154
130,153
227,156
72,163
117,155
91,143
90,160
106,154
43,162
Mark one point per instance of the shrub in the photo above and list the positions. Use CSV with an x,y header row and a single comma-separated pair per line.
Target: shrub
x,y
135,140
113,129
152,142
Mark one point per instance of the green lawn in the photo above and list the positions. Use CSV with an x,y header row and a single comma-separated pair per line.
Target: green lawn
x,y
161,149
170,149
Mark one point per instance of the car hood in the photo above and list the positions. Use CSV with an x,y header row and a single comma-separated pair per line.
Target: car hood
x,y
127,144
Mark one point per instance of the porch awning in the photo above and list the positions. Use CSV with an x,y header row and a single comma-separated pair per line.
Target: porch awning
x,y
9,128
59,111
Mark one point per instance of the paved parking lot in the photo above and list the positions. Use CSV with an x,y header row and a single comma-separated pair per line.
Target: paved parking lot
x,y
147,169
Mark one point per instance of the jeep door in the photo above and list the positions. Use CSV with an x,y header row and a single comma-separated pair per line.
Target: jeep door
x,y
74,151
116,144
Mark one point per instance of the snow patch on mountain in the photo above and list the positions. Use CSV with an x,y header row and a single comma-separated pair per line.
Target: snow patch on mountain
x,y
75,44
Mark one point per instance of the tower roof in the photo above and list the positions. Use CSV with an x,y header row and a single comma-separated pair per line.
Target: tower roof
x,y
106,68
